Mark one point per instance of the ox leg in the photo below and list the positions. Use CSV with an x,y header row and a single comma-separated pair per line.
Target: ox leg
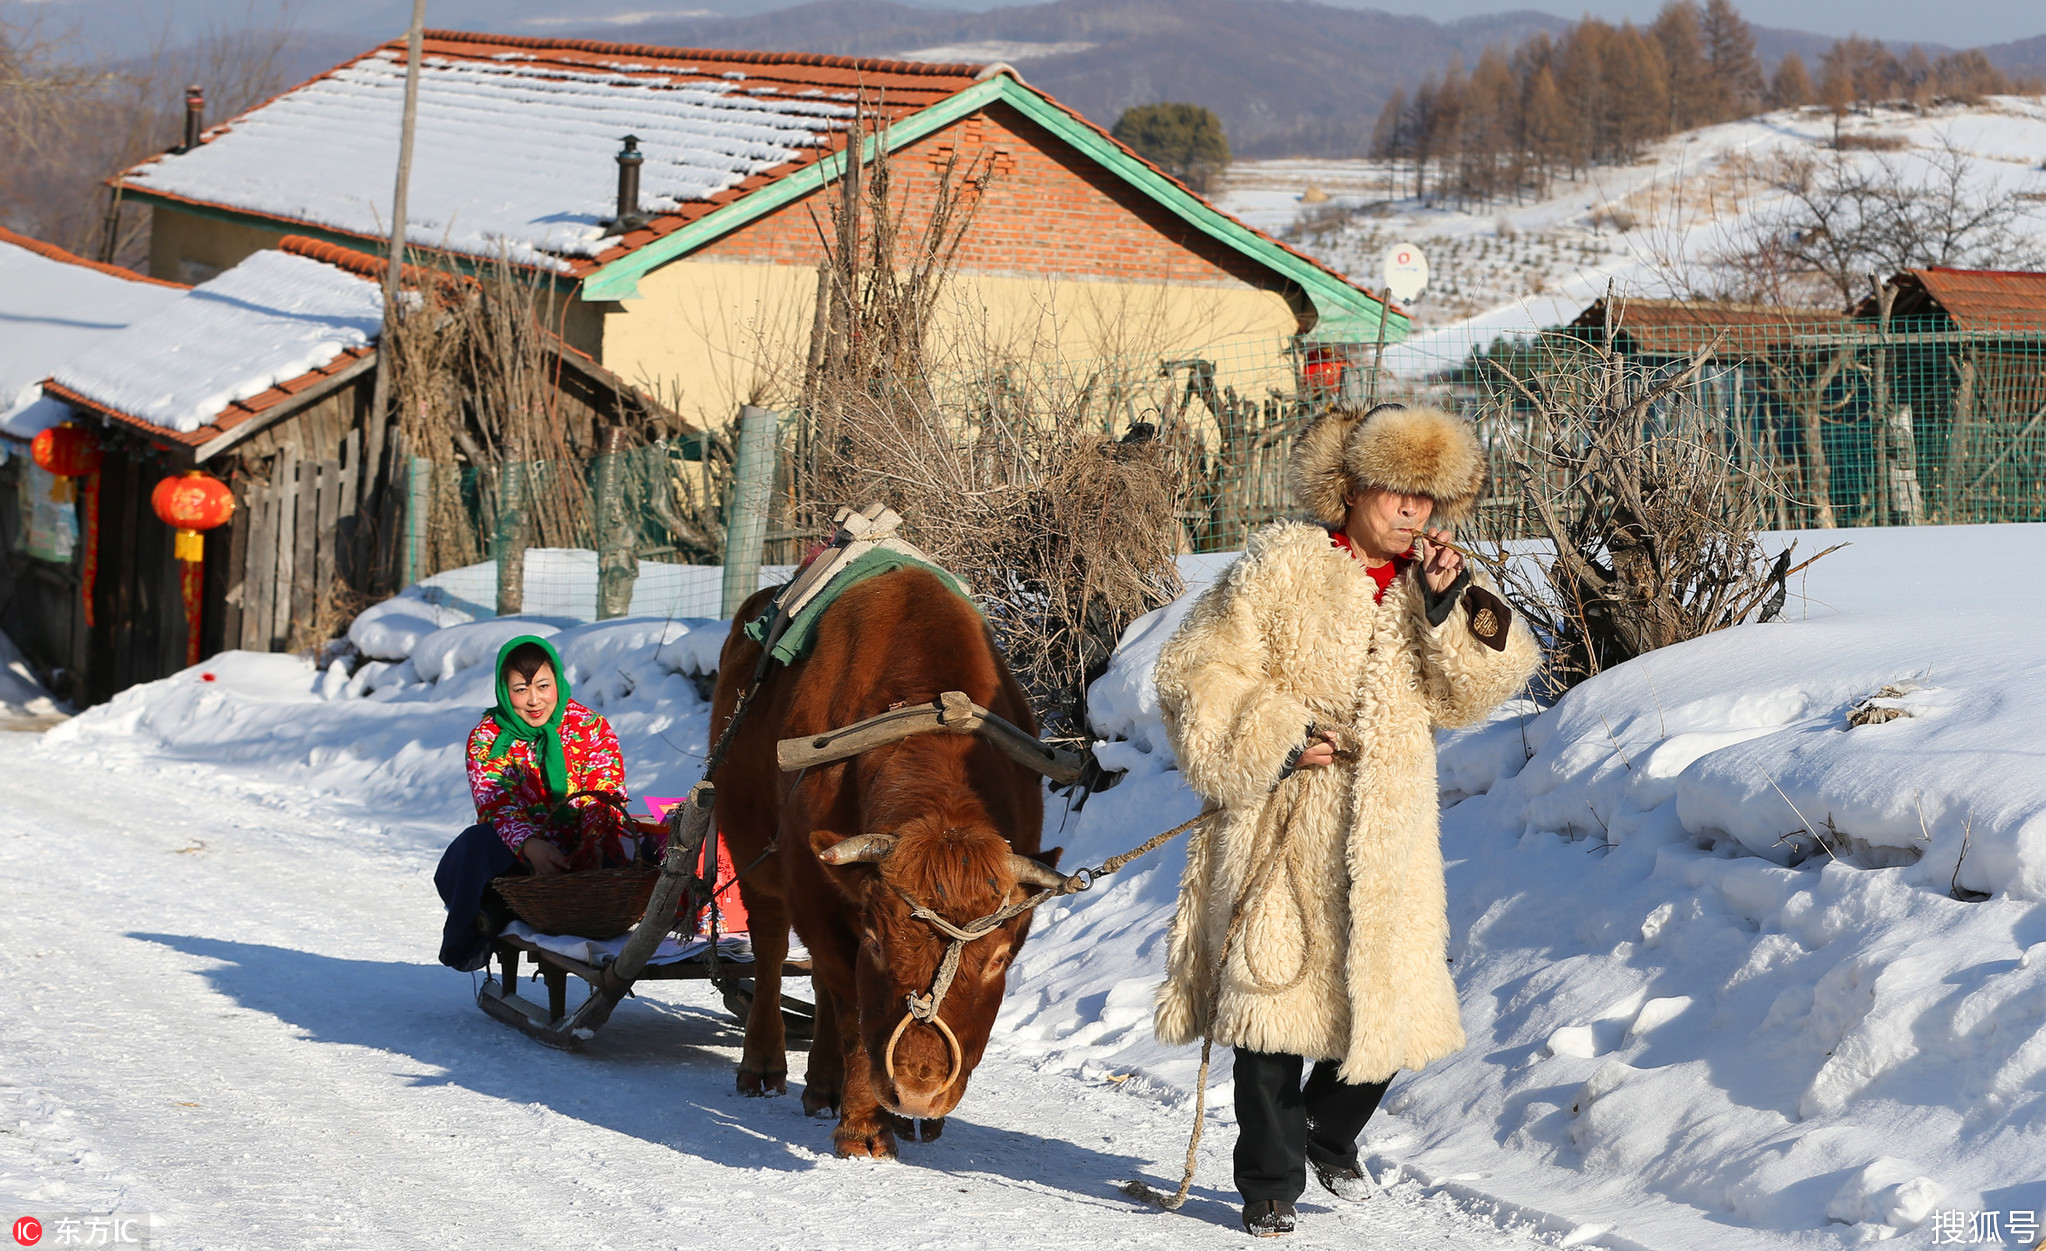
x,y
863,1126
764,1064
825,1082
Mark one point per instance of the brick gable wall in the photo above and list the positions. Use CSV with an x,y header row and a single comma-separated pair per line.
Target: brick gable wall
x,y
1047,212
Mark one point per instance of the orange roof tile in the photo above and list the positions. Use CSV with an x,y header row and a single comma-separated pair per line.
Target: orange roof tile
x,y
1684,326
1987,299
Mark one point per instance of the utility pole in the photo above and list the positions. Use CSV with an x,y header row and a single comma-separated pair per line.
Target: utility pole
x,y
373,484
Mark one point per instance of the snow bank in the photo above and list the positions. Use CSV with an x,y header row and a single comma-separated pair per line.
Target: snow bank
x,y
1712,965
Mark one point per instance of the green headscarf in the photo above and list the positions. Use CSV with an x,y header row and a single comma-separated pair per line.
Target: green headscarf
x,y
545,737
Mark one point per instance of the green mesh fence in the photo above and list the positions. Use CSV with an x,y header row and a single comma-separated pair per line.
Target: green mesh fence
x,y
1849,423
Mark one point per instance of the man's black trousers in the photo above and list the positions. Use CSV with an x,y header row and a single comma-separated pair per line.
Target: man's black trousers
x,y
1280,1127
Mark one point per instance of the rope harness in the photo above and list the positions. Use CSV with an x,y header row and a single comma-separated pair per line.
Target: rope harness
x,y
924,1008
1138,1189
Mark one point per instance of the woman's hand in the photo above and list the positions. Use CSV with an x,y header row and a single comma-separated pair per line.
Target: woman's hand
x,y
1320,753
544,856
1439,564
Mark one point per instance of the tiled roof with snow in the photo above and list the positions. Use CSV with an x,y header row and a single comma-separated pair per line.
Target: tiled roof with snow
x,y
54,307
275,317
516,139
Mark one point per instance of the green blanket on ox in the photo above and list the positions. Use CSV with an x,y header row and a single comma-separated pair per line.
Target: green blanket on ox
x,y
792,642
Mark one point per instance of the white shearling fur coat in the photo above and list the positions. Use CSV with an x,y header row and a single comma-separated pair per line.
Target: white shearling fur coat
x,y
1342,952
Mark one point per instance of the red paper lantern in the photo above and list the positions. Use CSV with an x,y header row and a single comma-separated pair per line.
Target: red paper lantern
x,y
66,451
192,503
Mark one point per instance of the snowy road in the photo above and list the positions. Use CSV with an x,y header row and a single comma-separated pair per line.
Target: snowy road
x,y
218,1008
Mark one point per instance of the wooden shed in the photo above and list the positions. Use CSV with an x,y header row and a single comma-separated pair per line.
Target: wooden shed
x,y
262,376
1963,352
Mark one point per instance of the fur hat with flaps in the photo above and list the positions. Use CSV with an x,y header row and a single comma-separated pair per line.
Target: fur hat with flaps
x,y
1419,451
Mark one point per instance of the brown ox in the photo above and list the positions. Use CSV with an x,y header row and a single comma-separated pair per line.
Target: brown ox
x,y
956,810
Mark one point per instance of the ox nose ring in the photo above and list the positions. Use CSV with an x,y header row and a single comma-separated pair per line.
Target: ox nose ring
x,y
955,1056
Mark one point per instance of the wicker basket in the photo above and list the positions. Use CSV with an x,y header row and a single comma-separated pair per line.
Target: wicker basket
x,y
595,903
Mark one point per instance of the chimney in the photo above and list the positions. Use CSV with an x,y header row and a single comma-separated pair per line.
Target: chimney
x,y
629,161
195,116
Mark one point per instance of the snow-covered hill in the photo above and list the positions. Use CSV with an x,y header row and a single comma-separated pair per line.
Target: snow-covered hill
x,y
1650,229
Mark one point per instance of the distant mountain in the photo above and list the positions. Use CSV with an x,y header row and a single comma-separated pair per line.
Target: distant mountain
x,y
2020,56
1283,77
1287,77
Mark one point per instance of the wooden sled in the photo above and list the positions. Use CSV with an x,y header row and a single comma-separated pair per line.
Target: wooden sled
x,y
550,1024
555,1025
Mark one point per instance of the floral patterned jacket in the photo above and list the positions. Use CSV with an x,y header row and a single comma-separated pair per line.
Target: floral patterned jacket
x,y
511,791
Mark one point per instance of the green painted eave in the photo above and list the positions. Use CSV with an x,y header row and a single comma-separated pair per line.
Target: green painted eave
x,y
1341,310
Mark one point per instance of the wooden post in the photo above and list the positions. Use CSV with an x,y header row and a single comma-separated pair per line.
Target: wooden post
x,y
394,264
257,570
752,493
236,597
329,481
305,523
509,551
617,559
418,489
1958,438
346,527
287,550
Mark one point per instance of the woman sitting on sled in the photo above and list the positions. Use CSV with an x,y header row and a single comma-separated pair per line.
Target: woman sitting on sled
x,y
535,761
549,785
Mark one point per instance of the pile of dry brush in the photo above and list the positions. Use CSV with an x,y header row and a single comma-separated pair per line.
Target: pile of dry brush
x,y
478,397
1644,520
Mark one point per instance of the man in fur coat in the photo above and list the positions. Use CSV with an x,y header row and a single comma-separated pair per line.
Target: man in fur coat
x,y
1301,695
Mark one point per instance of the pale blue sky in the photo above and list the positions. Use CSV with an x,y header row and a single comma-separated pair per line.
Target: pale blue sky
x,y
1957,23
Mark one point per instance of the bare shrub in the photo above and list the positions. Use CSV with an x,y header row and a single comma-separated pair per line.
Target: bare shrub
x,y
1003,471
1840,218
1645,522
478,396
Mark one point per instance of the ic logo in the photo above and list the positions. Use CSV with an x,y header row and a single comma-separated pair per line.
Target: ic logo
x,y
28,1231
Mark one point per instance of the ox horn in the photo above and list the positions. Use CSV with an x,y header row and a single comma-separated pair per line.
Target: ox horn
x,y
868,848
1033,873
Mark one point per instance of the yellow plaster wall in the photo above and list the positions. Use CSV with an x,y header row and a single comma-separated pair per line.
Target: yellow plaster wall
x,y
707,336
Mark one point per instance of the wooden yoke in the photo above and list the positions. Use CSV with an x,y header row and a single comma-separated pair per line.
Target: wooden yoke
x,y
950,713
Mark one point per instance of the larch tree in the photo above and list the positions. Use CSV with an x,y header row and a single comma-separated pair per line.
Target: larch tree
x,y
1791,86
1730,50
1637,83
1691,89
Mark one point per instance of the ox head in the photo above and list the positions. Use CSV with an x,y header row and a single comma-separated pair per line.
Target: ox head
x,y
963,872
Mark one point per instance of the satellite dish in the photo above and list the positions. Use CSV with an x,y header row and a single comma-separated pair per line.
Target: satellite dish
x,y
1405,272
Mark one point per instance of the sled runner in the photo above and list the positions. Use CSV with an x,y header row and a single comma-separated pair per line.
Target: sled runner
x,y
648,953
500,998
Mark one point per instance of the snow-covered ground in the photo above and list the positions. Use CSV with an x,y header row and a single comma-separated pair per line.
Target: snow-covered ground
x,y
1649,229
1719,986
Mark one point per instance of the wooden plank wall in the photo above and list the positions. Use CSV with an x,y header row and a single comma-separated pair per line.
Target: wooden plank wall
x,y
293,550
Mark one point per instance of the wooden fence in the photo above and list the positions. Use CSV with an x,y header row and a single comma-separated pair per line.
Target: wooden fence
x,y
288,559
